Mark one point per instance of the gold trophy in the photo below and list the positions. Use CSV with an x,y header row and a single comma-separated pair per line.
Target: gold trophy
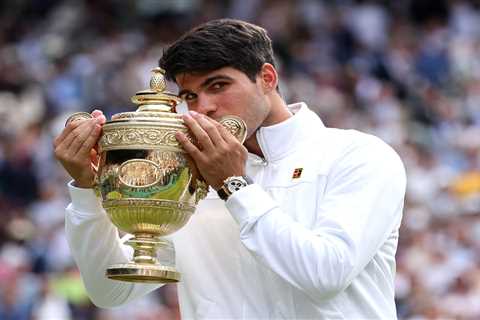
x,y
148,184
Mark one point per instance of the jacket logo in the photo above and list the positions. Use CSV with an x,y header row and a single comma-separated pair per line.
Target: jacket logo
x,y
297,173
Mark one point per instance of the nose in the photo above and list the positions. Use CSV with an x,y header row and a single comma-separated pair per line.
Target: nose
x,y
206,105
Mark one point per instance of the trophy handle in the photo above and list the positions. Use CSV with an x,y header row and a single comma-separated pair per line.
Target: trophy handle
x,y
236,126
78,116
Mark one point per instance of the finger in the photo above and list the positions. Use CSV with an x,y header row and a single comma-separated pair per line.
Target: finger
x,y
189,147
94,156
101,119
72,125
198,132
90,141
80,135
74,130
98,114
95,113
193,167
209,127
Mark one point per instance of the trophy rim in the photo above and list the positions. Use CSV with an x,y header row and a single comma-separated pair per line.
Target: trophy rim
x,y
155,273
112,203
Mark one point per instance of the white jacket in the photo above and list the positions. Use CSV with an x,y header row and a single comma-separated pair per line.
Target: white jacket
x,y
320,246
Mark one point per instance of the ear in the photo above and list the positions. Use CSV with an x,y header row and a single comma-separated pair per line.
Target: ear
x,y
268,77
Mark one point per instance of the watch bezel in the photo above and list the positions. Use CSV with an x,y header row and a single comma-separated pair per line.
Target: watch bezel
x,y
225,191
233,184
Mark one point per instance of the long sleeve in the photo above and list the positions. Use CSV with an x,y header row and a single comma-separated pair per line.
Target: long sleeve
x,y
360,208
95,244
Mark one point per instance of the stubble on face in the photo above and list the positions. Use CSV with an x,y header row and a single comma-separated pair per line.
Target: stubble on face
x,y
256,113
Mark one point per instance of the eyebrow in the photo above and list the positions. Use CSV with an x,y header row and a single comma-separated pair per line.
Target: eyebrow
x,y
206,83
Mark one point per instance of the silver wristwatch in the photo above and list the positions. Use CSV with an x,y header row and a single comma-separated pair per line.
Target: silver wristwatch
x,y
232,184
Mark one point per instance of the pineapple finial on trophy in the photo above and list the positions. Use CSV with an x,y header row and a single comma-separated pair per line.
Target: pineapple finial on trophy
x,y
156,98
157,81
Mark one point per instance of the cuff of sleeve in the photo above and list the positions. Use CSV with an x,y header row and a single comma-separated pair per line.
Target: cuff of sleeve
x,y
248,204
84,200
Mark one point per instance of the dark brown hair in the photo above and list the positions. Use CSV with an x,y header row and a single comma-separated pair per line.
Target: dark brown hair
x,y
217,44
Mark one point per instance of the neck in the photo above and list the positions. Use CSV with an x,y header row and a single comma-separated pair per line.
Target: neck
x,y
278,113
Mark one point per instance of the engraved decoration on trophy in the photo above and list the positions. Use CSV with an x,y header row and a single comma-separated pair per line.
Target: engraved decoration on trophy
x,y
147,183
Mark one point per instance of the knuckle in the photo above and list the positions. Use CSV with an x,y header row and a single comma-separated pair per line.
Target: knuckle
x,y
58,156
224,149
72,125
229,148
188,146
203,133
76,162
208,126
75,133
221,128
183,142
203,136
195,153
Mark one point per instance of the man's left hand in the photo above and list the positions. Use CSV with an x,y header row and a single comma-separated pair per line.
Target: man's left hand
x,y
218,155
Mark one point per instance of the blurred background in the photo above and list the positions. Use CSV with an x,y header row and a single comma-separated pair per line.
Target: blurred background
x,y
407,71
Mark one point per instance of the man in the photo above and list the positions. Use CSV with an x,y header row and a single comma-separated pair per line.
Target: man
x,y
311,231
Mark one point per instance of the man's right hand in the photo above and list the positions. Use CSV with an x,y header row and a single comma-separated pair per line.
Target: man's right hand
x,y
75,148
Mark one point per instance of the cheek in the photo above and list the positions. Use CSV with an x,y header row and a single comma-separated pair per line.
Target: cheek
x,y
231,104
256,114
247,104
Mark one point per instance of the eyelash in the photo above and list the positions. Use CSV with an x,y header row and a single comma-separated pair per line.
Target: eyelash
x,y
221,84
187,95
192,96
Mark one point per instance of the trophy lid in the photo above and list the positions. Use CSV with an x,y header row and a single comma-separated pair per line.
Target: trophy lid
x,y
152,103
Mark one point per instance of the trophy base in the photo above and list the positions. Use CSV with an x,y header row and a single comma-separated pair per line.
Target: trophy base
x,y
130,272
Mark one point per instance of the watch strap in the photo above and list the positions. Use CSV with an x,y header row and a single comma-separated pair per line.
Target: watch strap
x,y
222,193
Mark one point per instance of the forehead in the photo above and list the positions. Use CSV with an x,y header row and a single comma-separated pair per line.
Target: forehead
x,y
192,80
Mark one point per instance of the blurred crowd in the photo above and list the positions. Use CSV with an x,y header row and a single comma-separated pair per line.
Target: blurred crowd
x,y
406,71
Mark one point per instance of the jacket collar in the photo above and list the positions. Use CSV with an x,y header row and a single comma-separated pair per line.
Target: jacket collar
x,y
280,139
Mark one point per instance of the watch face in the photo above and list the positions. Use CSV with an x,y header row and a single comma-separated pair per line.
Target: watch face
x,y
235,185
